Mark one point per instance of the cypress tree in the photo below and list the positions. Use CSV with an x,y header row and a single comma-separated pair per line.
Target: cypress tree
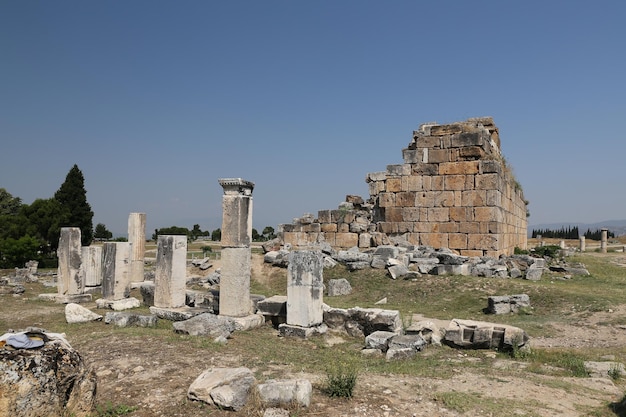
x,y
73,198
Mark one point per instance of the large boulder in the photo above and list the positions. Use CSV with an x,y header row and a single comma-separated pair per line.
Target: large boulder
x,y
44,377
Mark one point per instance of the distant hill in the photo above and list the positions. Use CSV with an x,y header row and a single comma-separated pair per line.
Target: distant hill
x,y
618,227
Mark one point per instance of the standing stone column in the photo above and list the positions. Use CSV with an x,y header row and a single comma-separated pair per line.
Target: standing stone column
x,y
92,265
116,270
603,240
137,237
305,288
235,242
170,278
583,244
69,278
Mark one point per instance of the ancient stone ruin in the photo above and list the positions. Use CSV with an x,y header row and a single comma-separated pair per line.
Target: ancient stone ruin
x,y
454,190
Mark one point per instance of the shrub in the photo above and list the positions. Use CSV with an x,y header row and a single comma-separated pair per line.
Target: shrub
x,y
340,380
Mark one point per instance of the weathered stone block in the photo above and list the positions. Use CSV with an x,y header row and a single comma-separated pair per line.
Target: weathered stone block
x,y
398,170
324,216
443,199
457,241
305,285
406,199
438,214
346,240
459,168
393,185
436,156
170,277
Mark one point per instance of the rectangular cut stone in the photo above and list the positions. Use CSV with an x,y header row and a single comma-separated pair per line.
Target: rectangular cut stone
x,y
473,198
170,277
235,282
494,198
436,156
444,199
393,185
441,130
394,214
70,279
459,214
425,199
412,183
423,226
458,241
471,152
490,166
116,270
438,214
426,169
376,187
411,214
487,182
468,139
324,216
454,182
92,265
236,221
305,288
328,227
346,240
469,227
410,156
376,176
459,168
447,227
406,199
386,199
398,170
482,242
404,227
487,214
387,227
436,240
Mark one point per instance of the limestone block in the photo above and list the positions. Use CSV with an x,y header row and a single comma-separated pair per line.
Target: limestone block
x,y
376,176
206,324
365,240
235,282
393,184
228,388
482,242
305,285
75,313
443,199
449,129
337,287
398,170
70,279
459,168
412,183
386,199
411,156
436,156
473,198
346,240
406,199
534,273
285,393
273,306
170,278
137,239
122,319
457,241
425,199
379,340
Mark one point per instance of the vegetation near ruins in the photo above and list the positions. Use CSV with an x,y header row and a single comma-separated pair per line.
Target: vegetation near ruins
x,y
572,320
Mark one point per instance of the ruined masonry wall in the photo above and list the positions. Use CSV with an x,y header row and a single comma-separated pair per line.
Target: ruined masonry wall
x,y
453,190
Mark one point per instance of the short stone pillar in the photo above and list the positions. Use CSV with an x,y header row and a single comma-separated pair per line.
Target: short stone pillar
x,y
137,237
116,270
604,240
92,265
170,277
69,278
305,288
583,244
562,244
235,242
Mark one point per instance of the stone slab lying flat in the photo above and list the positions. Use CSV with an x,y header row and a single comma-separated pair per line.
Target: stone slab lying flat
x,y
66,299
178,314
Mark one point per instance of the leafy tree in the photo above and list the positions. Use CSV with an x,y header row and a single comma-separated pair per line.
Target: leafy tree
x,y
44,219
16,252
102,233
216,234
268,233
172,230
9,205
73,198
255,235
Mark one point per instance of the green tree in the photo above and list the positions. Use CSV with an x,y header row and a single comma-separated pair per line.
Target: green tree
x,y
216,234
43,220
268,233
172,230
255,235
9,205
102,233
73,198
195,232
16,252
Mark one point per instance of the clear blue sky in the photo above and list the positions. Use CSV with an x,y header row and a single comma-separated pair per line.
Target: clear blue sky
x,y
157,100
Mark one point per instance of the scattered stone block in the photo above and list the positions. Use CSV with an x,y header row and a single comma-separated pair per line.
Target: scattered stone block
x,y
123,319
206,324
227,388
284,393
483,335
379,340
178,314
337,287
75,313
118,305
292,330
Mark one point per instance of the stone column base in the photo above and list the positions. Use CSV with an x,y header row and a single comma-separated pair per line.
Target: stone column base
x,y
291,330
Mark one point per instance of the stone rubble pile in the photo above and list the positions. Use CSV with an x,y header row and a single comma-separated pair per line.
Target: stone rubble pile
x,y
405,261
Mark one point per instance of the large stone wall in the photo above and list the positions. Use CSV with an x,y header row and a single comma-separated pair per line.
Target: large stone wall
x,y
453,190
